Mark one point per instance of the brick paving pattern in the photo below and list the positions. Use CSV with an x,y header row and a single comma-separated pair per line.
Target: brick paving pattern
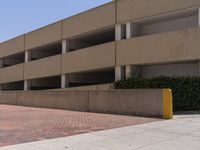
x,y
26,124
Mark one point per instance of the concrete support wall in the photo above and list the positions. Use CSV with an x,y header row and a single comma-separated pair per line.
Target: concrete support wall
x,y
64,77
149,103
119,70
199,17
132,30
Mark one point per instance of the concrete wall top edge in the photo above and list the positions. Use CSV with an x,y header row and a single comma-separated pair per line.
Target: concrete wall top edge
x,y
90,20
128,10
43,36
12,46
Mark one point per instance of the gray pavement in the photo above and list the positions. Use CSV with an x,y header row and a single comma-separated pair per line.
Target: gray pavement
x,y
181,133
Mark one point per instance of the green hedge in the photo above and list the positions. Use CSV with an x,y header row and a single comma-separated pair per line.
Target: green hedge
x,y
186,90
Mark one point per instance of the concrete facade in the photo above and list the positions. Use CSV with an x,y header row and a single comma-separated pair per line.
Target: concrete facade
x,y
121,39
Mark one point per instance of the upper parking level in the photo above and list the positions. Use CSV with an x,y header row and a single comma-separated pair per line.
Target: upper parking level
x,y
94,27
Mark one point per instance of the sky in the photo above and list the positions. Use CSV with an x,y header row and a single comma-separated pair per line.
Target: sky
x,y
21,16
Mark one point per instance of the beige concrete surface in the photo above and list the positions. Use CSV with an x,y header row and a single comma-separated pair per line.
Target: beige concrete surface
x,y
8,97
96,57
182,45
46,35
45,67
12,46
12,73
71,100
132,102
137,9
94,19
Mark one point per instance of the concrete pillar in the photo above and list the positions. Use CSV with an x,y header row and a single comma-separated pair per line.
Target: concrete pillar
x,y
64,77
27,56
119,73
128,30
64,81
65,46
133,71
129,71
27,85
129,68
132,30
119,70
118,32
199,16
27,59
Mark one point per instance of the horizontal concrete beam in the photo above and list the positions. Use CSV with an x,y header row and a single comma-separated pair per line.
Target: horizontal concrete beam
x,y
145,102
177,46
96,57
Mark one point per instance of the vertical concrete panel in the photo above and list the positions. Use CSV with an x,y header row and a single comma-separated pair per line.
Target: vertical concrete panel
x,y
28,98
8,98
132,102
71,100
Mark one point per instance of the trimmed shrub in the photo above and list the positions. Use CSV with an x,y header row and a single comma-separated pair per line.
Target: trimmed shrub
x,y
186,90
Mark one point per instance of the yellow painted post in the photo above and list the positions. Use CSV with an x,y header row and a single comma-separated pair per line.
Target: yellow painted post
x,y
167,104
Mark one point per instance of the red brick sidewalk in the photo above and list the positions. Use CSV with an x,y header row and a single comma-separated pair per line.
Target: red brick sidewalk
x,y
25,124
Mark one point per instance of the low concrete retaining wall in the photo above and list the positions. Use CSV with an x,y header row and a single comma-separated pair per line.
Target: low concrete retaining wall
x,y
151,103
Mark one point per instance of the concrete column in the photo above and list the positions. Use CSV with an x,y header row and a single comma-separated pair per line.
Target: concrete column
x,y
129,68
132,30
65,46
199,17
27,85
27,56
128,30
118,37
27,59
118,32
129,71
64,81
133,71
119,73
64,77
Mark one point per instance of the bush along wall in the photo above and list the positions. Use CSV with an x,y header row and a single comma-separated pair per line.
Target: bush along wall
x,y
186,90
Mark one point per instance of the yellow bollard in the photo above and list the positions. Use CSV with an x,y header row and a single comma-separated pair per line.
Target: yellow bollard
x,y
167,104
